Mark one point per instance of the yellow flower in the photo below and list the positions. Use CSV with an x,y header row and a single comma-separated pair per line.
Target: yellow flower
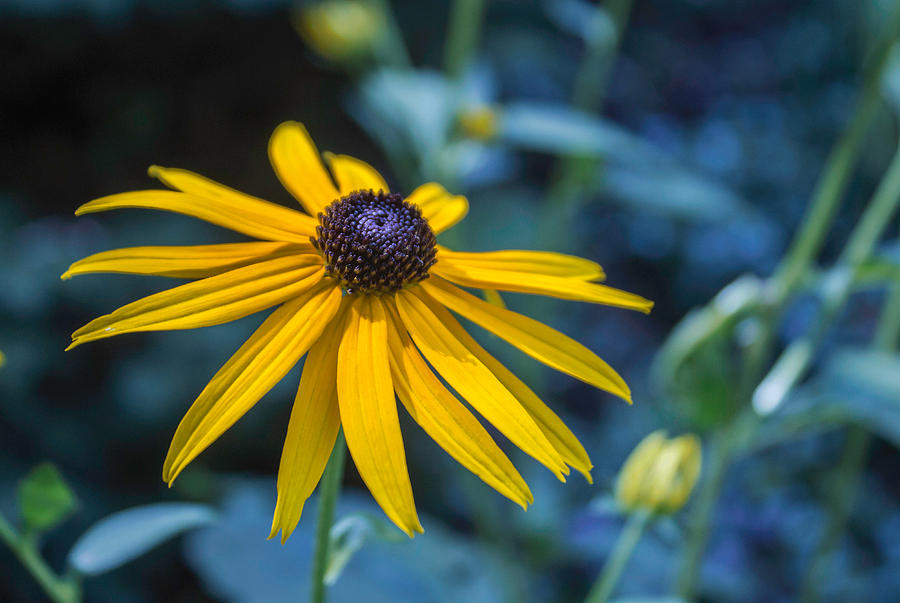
x,y
351,290
479,122
2,359
340,29
659,474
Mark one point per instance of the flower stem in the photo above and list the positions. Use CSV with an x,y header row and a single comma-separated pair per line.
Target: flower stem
x,y
615,565
463,30
799,258
59,590
328,495
851,465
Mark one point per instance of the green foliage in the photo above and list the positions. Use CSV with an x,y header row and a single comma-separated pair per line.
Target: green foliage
x,y
126,535
350,534
45,499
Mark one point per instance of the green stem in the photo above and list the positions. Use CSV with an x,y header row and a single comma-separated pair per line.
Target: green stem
x,y
463,30
722,451
328,495
391,50
615,565
25,548
804,248
845,483
567,192
851,465
593,73
836,173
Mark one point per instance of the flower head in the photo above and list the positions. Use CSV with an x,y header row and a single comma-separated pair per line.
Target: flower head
x,y
660,473
363,290
340,30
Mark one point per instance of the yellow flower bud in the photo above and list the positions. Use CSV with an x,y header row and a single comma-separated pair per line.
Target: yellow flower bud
x,y
340,29
660,473
479,122
2,359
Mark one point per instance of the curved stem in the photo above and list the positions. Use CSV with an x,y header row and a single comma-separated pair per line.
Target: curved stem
x,y
466,17
58,589
851,465
328,495
615,565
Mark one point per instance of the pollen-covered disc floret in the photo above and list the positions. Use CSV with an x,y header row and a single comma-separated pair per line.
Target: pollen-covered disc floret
x,y
375,242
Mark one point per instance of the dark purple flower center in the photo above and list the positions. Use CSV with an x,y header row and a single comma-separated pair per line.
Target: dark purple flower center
x,y
375,242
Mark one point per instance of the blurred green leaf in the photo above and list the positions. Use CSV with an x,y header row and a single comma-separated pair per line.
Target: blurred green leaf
x,y
350,534
589,22
890,80
854,386
45,499
126,535
561,130
672,191
692,367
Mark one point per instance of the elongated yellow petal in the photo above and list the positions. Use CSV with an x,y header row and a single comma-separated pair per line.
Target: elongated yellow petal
x,y
426,322
469,275
299,167
255,368
556,431
369,412
440,208
536,339
354,175
195,184
210,301
194,261
253,217
313,428
447,421
537,262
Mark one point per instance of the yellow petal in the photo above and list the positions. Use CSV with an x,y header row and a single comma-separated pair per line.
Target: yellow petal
x,y
440,208
493,297
447,421
426,322
369,412
195,261
195,184
210,301
536,339
255,368
253,217
297,163
313,428
556,431
354,175
537,262
469,275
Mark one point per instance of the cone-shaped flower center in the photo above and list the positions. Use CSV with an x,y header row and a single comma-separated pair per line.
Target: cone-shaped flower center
x,y
375,242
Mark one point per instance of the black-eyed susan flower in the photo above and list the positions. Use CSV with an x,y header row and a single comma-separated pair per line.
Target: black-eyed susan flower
x,y
659,474
361,288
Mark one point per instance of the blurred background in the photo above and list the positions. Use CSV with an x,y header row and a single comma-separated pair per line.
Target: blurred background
x,y
681,159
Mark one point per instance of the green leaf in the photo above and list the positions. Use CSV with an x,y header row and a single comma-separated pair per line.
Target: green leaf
x,y
560,130
350,534
126,535
855,386
45,499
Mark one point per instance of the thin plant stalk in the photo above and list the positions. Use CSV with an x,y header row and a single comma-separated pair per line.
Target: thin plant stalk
x,y
851,465
58,589
799,259
328,495
565,196
391,50
463,31
615,565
